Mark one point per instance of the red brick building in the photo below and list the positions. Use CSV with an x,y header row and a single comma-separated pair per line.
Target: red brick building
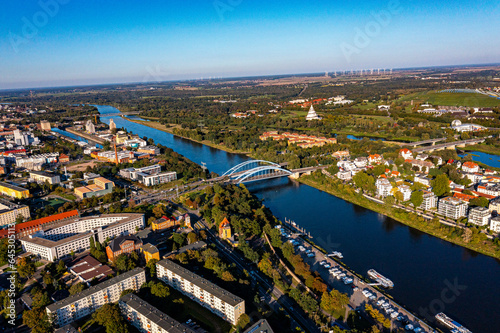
x,y
123,244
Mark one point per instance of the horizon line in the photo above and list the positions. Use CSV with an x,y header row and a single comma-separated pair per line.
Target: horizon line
x,y
237,77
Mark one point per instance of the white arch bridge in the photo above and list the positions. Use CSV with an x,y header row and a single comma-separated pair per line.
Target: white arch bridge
x,y
254,170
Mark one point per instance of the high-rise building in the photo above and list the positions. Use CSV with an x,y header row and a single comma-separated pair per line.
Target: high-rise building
x,y
221,302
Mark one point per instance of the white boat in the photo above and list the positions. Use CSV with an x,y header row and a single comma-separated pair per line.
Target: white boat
x,y
409,327
336,254
385,282
452,324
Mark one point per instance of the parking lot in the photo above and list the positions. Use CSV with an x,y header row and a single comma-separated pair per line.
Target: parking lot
x,y
360,293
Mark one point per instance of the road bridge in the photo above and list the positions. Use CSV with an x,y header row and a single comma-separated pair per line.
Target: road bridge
x,y
450,145
254,170
424,142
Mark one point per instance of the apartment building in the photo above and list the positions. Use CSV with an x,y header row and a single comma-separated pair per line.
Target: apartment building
x,y
452,208
89,300
479,216
42,177
27,228
384,187
430,200
9,212
147,318
14,191
164,223
493,190
494,206
221,302
495,224
406,191
60,239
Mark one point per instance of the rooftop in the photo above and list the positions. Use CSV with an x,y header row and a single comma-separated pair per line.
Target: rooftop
x,y
154,315
204,284
94,289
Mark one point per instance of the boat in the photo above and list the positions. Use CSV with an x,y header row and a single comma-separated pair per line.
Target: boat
x,y
385,282
336,254
450,323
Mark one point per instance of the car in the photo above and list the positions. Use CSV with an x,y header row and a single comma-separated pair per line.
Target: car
x,y
380,302
355,288
372,298
417,330
310,255
395,314
327,265
189,321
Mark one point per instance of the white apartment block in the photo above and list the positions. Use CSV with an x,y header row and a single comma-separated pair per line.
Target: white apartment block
x,y
453,208
430,200
384,187
344,175
147,318
58,240
9,212
406,191
494,205
479,216
493,190
495,224
221,302
88,301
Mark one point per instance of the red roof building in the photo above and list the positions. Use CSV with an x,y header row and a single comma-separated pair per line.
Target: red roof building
x,y
28,228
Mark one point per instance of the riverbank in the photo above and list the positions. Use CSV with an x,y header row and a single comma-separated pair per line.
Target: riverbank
x,y
436,229
89,137
483,148
164,128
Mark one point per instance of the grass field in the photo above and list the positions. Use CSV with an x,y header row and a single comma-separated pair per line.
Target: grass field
x,y
453,99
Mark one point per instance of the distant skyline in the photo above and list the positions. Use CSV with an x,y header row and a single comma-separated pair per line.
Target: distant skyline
x,y
63,42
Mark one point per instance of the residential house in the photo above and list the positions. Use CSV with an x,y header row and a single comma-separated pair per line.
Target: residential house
x,y
406,153
384,187
453,208
470,167
479,216
429,200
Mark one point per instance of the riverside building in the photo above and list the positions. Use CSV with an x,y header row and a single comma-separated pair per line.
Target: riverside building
x,y
452,208
221,302
60,239
89,300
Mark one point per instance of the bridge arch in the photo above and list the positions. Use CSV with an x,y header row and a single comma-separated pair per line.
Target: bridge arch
x,y
255,168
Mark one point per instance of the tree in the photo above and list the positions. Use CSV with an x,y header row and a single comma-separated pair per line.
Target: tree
x,y
192,237
25,267
440,185
243,321
389,200
151,265
160,290
110,317
417,198
124,263
399,196
61,267
37,320
41,299
159,211
479,202
126,292
76,288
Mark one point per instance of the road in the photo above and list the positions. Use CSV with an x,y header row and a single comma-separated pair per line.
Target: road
x,y
297,316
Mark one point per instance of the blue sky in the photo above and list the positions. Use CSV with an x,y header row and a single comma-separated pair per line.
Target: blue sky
x,y
71,42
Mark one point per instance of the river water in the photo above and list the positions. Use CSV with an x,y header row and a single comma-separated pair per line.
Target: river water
x,y
430,275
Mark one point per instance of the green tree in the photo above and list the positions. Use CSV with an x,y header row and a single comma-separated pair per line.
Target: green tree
x,y
110,317
399,196
76,288
25,267
243,321
479,202
126,292
192,237
160,290
61,267
417,198
151,265
440,185
37,320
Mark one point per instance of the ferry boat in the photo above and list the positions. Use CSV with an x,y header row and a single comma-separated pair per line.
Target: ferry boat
x,y
450,323
385,282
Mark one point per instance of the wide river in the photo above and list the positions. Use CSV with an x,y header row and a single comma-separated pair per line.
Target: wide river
x,y
430,275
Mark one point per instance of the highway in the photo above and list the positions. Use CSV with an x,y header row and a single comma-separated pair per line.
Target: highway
x,y
297,316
